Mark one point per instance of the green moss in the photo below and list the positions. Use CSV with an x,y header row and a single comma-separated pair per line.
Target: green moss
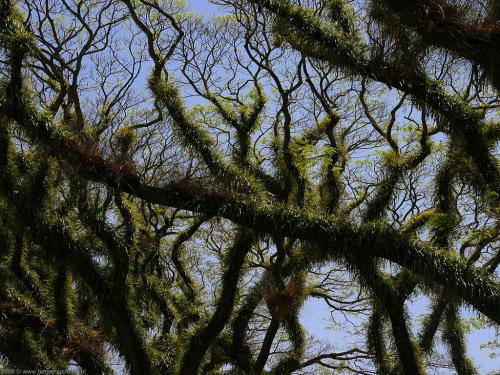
x,y
454,337
376,343
125,138
198,139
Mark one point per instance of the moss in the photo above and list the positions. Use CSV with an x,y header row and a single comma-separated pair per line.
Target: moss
x,y
8,170
454,337
239,324
165,353
417,221
431,323
125,138
249,113
40,187
62,298
33,351
16,39
377,206
376,343
202,339
198,139
296,335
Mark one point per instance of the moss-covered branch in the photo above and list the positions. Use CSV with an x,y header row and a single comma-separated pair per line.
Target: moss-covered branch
x,y
202,339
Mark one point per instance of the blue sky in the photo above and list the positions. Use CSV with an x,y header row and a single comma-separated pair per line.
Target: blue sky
x,y
202,6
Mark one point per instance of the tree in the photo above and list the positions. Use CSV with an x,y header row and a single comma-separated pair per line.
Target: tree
x,y
174,188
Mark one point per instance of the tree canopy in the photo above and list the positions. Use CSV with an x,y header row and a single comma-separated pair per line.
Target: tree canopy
x,y
174,187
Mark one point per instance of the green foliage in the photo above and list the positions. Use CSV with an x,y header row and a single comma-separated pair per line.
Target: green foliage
x,y
126,138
